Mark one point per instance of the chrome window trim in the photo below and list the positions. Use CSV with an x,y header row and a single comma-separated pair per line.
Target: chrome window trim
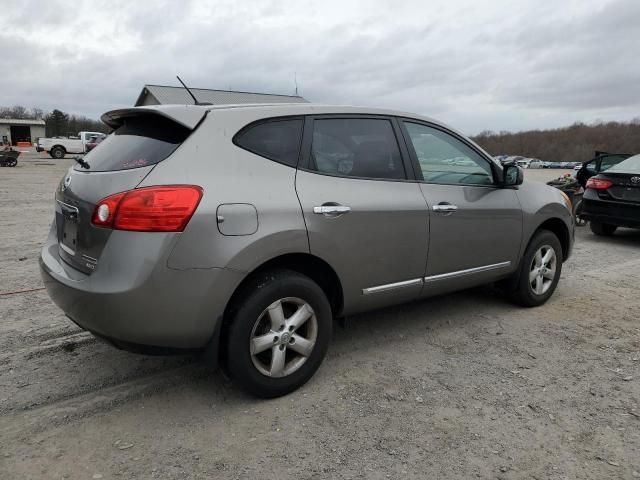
x,y
468,271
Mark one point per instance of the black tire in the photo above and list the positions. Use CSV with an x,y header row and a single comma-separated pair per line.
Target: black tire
x,y
577,211
522,291
58,153
603,229
249,306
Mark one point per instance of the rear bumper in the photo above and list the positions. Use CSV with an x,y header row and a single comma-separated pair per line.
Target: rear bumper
x,y
613,213
133,298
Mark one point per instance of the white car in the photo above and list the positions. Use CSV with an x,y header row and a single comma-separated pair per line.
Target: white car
x,y
60,146
535,163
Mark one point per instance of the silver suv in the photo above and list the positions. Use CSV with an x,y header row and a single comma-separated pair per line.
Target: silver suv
x,y
244,230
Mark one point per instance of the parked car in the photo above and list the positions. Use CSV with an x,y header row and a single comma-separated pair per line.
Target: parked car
x,y
58,147
244,231
612,198
601,162
94,141
535,163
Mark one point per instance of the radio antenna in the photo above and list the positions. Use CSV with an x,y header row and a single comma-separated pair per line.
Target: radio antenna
x,y
195,100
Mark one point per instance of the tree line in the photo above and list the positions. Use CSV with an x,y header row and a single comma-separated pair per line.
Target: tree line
x,y
56,123
576,143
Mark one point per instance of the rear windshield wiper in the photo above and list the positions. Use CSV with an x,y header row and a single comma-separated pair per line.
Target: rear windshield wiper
x,y
82,163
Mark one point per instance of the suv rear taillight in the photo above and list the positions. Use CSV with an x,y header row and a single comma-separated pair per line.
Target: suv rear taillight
x,y
599,184
166,208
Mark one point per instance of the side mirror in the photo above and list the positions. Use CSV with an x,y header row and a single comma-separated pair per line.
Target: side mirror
x,y
512,175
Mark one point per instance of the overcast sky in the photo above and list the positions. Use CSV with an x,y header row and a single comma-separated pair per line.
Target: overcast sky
x,y
494,64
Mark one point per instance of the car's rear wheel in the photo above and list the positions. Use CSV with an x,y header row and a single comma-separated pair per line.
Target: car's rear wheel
x,y
279,333
540,270
604,229
57,152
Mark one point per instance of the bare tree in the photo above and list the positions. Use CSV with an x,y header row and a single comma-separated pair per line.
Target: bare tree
x,y
577,142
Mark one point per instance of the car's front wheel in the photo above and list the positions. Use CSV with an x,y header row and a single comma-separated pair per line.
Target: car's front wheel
x,y
279,333
540,270
603,229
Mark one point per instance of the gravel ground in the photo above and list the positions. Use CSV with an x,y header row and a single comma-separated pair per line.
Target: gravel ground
x,y
462,386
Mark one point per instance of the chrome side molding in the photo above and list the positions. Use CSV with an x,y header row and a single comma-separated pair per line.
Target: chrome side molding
x,y
392,286
468,271
434,278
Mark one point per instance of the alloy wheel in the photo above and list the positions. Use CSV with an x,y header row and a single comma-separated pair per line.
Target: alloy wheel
x,y
283,337
543,270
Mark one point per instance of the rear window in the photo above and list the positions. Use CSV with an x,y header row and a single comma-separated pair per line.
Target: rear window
x,y
630,165
277,140
140,141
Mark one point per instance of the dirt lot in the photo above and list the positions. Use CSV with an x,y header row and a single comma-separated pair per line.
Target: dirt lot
x,y
462,386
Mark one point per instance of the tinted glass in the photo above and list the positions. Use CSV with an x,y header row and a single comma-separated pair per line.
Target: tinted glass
x,y
140,141
356,147
276,140
445,159
630,165
608,161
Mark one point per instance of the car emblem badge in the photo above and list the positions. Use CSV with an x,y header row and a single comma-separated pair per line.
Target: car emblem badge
x,y
635,180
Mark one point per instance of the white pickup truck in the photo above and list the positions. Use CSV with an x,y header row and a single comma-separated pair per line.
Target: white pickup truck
x,y
58,147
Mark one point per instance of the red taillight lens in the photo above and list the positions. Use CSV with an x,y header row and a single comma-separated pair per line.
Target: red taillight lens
x,y
151,209
599,184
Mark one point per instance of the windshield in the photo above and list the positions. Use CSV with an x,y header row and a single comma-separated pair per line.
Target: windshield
x,y
630,165
140,141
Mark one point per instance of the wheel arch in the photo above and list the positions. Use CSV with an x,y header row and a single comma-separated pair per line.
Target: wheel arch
x,y
559,228
307,264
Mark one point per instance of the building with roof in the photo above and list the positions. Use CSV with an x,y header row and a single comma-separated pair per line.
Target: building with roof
x,y
18,130
163,95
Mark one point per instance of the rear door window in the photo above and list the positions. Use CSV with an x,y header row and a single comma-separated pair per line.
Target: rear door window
x,y
139,142
356,147
277,140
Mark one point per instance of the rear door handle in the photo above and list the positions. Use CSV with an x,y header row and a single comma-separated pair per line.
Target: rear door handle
x,y
444,208
331,210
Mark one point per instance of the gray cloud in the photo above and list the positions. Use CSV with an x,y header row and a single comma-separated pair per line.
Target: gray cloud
x,y
477,65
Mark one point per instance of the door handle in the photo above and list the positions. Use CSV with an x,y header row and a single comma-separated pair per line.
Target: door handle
x,y
444,207
333,210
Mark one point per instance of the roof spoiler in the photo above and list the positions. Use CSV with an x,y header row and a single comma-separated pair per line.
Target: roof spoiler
x,y
186,115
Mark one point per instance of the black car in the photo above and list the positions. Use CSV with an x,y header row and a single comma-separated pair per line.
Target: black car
x,y
601,162
612,198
